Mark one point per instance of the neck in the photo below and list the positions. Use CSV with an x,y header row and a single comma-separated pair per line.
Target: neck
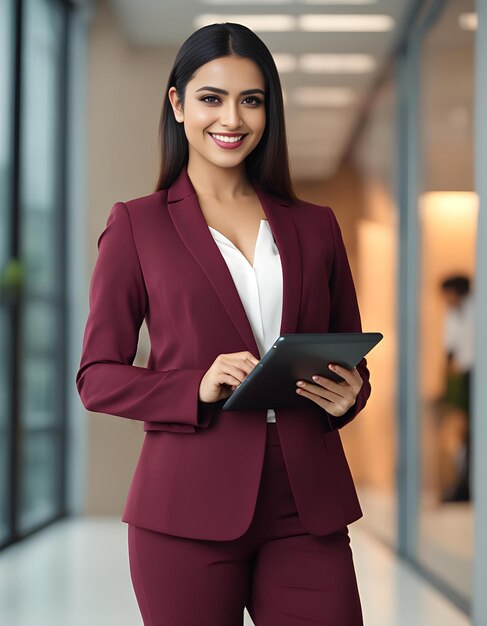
x,y
220,183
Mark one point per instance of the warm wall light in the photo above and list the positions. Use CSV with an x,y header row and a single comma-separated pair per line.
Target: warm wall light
x,y
447,245
449,205
468,21
345,23
258,23
337,63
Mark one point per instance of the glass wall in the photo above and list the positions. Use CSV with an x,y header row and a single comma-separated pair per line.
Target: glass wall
x,y
41,325
6,267
447,222
32,254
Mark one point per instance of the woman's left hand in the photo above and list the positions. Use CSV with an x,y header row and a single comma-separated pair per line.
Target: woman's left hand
x,y
335,398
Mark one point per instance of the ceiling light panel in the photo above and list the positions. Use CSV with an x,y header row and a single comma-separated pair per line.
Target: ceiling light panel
x,y
285,62
278,2
310,22
245,2
340,2
259,23
323,96
337,63
345,23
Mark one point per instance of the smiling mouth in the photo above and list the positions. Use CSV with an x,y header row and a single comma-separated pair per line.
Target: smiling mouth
x,y
228,135
229,143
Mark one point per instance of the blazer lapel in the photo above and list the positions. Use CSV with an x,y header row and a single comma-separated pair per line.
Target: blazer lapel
x,y
188,219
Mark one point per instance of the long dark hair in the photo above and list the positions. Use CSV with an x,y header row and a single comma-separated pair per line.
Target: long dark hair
x,y
268,163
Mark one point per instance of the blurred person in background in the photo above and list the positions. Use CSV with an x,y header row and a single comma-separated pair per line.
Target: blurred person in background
x,y
458,341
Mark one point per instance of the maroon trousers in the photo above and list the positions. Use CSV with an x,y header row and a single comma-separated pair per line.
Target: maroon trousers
x,y
281,573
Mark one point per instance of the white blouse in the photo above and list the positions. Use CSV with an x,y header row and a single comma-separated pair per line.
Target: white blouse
x,y
259,286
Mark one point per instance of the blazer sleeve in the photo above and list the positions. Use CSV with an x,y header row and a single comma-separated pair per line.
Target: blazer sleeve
x,y
106,380
345,317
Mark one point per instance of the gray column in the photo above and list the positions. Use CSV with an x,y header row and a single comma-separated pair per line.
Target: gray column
x,y
408,462
77,289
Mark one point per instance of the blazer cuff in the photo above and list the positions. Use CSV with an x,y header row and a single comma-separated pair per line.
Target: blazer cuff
x,y
199,413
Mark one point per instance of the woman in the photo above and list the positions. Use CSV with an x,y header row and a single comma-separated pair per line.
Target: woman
x,y
227,509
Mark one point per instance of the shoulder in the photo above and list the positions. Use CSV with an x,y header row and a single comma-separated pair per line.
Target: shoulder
x,y
127,218
321,215
147,203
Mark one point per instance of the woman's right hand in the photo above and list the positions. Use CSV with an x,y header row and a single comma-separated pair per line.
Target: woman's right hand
x,y
225,374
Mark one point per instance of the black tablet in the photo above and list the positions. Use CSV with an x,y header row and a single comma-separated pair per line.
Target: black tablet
x,y
298,356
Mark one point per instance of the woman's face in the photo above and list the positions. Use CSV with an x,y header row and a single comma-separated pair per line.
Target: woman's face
x,y
208,110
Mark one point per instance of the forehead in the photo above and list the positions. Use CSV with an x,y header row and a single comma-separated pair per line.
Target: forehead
x,y
230,73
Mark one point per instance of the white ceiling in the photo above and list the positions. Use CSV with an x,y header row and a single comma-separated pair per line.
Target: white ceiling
x,y
317,136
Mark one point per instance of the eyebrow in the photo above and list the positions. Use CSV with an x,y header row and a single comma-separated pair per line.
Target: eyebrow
x,y
222,91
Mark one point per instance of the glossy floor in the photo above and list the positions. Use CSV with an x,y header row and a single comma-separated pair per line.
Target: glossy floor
x,y
76,573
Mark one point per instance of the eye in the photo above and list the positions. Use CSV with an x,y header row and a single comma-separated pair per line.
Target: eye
x,y
257,100
204,99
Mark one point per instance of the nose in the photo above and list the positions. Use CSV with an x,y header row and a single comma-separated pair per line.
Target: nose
x,y
231,116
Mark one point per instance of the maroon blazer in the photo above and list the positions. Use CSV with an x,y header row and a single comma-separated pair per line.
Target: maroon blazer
x,y
199,467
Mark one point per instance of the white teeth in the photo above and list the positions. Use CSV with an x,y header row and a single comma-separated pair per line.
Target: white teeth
x,y
227,139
